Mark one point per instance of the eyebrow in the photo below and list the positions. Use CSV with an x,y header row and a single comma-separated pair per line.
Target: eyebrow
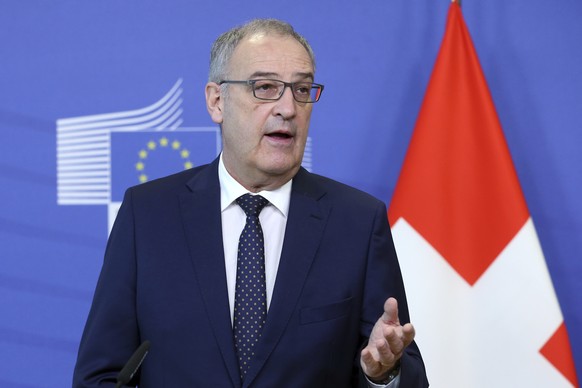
x,y
266,74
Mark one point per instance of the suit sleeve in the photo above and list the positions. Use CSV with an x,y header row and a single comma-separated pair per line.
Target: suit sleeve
x,y
383,280
111,332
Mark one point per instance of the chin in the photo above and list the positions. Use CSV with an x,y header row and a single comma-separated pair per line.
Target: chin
x,y
282,168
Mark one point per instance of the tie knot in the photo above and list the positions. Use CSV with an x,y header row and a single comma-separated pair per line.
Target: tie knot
x,y
251,204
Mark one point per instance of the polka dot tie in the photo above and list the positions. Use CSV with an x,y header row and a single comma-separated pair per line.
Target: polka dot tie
x,y
250,301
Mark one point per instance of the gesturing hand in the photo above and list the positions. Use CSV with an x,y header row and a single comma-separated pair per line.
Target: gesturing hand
x,y
386,344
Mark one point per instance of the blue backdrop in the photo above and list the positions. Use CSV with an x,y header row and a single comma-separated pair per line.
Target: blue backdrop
x,y
75,76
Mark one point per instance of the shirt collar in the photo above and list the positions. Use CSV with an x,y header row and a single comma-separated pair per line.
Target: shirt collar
x,y
230,190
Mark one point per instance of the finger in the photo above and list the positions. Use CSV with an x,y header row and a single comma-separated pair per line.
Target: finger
x,y
367,357
408,333
386,356
369,364
390,315
394,342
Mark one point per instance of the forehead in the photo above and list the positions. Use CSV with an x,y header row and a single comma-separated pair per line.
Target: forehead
x,y
272,56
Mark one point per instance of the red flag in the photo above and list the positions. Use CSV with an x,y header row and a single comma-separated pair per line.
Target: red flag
x,y
461,221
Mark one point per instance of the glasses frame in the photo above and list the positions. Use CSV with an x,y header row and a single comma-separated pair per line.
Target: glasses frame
x,y
290,85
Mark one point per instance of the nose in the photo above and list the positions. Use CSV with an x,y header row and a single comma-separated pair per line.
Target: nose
x,y
286,106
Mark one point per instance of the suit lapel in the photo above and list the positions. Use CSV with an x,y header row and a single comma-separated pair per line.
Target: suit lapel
x,y
306,222
202,223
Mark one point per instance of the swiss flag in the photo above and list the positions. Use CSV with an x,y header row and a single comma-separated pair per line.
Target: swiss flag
x,y
479,291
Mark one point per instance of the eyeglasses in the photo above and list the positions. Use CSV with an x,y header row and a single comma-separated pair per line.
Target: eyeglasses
x,y
273,89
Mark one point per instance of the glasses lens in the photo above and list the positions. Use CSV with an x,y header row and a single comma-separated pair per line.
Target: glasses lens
x,y
303,91
267,89
316,92
307,92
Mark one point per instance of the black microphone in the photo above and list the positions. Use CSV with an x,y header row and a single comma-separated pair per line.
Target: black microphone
x,y
133,364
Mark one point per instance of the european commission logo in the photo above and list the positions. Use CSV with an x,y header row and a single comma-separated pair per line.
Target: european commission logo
x,y
100,156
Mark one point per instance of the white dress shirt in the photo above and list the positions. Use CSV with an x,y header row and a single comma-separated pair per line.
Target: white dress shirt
x,y
273,219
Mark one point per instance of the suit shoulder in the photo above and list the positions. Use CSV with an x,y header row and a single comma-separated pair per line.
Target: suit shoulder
x,y
340,191
174,183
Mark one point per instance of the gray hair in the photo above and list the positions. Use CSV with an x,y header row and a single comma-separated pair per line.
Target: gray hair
x,y
225,44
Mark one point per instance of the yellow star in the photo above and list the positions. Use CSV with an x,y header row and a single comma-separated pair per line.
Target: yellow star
x,y
163,141
139,166
152,145
185,154
143,178
143,154
176,144
187,165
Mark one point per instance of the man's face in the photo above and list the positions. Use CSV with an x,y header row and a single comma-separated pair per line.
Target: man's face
x,y
263,141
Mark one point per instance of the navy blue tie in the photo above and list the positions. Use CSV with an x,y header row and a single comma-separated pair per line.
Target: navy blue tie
x,y
250,300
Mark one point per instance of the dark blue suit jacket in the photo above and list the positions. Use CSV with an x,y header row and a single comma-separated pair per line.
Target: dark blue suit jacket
x,y
163,279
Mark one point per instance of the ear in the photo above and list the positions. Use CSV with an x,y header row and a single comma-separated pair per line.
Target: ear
x,y
214,101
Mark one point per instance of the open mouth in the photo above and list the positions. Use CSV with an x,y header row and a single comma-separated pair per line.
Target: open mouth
x,y
279,135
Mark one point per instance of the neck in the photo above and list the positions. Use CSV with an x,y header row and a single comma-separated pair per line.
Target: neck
x,y
260,182
255,181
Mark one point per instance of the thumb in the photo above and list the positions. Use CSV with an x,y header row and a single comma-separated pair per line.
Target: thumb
x,y
390,315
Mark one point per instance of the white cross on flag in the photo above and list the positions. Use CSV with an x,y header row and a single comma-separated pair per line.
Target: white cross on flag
x,y
480,295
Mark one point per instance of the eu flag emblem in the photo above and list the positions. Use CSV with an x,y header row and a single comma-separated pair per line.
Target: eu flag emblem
x,y
138,157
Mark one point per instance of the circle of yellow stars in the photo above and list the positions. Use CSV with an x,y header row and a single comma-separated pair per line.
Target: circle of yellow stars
x,y
151,146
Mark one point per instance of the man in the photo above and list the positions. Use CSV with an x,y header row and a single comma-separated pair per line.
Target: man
x,y
325,266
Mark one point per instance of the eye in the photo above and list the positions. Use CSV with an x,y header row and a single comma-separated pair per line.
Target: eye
x,y
265,86
302,89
